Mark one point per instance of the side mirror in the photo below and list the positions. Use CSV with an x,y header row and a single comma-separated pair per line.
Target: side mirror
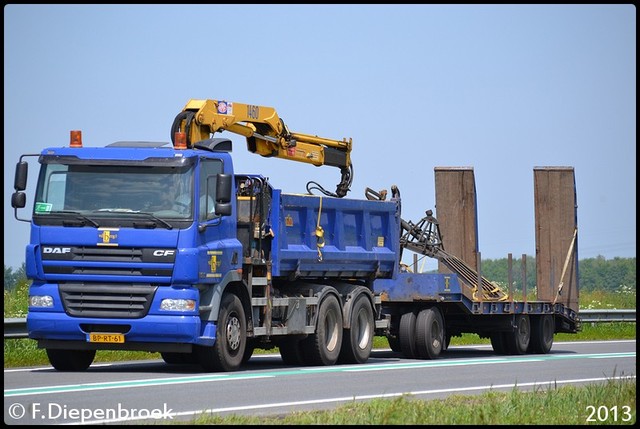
x,y
20,181
18,200
223,188
223,194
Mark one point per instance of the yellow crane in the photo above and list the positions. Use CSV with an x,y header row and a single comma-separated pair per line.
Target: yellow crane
x,y
266,135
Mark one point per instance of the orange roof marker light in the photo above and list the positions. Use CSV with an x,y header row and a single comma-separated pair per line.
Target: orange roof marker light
x,y
180,140
75,139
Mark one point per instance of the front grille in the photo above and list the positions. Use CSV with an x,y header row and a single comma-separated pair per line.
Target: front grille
x,y
111,301
106,261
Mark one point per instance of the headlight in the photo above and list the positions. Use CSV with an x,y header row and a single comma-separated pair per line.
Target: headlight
x,y
41,301
178,304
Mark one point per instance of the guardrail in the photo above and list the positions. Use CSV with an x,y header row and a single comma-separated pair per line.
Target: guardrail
x,y
595,316
17,327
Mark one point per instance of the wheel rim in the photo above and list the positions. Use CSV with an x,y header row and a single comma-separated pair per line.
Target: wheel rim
x,y
436,341
523,332
363,330
331,330
523,329
233,333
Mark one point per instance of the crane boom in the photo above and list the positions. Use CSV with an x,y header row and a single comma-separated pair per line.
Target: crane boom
x,y
266,135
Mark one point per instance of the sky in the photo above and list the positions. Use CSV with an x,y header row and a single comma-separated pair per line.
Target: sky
x,y
499,88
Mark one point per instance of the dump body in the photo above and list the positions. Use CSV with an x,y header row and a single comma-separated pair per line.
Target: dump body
x,y
359,238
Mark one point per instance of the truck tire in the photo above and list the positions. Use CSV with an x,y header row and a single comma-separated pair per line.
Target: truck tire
x,y
429,333
407,334
542,330
323,347
357,341
227,352
517,342
70,360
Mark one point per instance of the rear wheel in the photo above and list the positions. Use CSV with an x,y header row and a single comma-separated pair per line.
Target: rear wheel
x,y
70,360
227,352
429,333
358,340
323,347
542,330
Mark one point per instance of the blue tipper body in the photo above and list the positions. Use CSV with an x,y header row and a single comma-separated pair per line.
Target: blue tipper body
x,y
359,238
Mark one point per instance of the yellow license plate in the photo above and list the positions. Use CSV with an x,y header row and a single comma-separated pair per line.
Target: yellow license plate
x,y
106,338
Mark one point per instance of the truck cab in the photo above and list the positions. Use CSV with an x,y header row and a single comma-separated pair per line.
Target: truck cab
x,y
123,234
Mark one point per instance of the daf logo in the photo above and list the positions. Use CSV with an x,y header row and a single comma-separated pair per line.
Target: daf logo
x,y
58,250
163,252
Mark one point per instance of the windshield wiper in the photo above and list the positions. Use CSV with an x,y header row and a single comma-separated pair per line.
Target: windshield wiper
x,y
78,216
136,212
154,217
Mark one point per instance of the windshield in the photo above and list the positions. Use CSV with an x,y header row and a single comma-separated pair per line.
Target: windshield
x,y
108,190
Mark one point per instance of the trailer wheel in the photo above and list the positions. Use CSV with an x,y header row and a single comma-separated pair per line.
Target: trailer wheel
x,y
498,343
407,334
518,341
323,347
70,360
429,333
542,330
227,352
358,340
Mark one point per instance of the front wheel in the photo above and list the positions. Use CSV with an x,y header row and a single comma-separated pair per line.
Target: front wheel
x,y
70,360
227,353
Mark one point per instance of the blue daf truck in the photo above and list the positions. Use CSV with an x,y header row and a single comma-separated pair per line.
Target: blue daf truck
x,y
163,247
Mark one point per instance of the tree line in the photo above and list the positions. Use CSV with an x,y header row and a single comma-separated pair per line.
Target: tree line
x,y
593,273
